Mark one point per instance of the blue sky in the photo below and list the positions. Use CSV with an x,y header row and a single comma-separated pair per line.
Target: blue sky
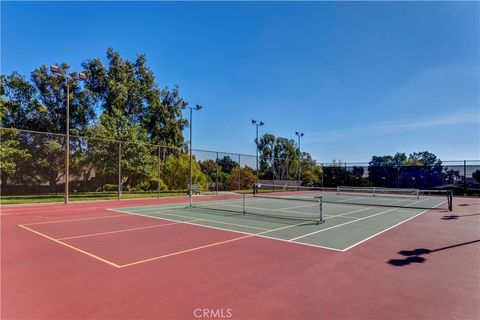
x,y
359,79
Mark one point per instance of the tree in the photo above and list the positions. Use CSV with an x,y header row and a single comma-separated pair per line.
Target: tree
x,y
419,170
128,89
357,178
40,106
12,155
476,175
312,176
278,157
241,178
383,170
227,164
138,158
334,174
133,108
451,175
221,180
425,158
176,170
209,168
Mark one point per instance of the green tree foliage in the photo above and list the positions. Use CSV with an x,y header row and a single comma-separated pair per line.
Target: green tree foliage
x,y
334,174
419,170
209,168
45,163
132,108
451,175
241,178
227,164
476,175
127,89
278,158
41,104
222,180
312,176
138,159
175,173
426,158
11,153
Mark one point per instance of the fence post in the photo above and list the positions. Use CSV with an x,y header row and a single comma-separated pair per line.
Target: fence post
x,y
159,169
119,170
273,173
465,177
239,173
216,178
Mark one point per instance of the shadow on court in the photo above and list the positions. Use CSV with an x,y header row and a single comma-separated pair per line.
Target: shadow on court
x,y
414,256
455,216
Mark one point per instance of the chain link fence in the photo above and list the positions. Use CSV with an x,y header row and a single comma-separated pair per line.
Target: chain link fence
x,y
33,166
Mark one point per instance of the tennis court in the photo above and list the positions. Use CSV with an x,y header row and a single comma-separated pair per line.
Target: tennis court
x,y
167,258
308,216
324,219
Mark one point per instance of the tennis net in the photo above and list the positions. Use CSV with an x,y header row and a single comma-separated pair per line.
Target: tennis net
x,y
367,196
298,209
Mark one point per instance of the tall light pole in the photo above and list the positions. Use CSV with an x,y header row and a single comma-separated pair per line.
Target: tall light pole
x,y
74,76
257,124
197,107
299,135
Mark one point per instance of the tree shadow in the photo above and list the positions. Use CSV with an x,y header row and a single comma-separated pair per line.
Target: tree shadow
x,y
414,256
456,216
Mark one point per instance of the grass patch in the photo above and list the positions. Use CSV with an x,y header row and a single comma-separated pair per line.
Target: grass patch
x,y
87,196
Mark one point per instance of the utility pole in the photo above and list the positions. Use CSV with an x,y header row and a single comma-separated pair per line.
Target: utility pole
x,y
299,135
257,124
74,76
197,107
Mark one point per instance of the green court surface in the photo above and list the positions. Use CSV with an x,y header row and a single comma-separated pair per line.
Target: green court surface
x,y
343,225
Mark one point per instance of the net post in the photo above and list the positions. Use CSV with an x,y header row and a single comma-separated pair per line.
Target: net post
x,y
190,195
450,200
244,204
320,201
374,191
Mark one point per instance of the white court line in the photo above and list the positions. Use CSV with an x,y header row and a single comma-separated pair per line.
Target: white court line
x,y
184,222
378,233
69,220
229,230
344,214
345,223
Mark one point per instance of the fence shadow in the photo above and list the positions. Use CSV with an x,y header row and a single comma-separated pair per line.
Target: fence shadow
x,y
415,256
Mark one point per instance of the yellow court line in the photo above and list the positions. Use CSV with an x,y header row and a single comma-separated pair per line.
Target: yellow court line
x,y
80,219
71,247
205,246
124,230
214,221
184,251
281,228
